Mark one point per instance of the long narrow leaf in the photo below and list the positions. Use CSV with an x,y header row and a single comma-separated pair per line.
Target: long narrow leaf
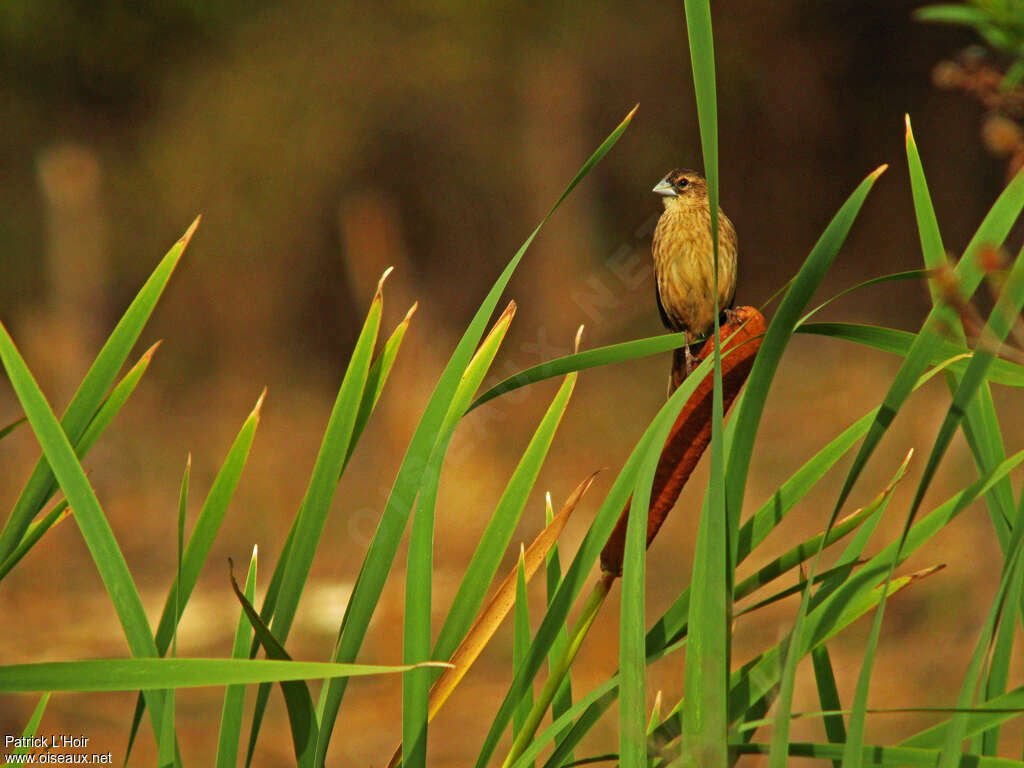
x,y
89,395
384,544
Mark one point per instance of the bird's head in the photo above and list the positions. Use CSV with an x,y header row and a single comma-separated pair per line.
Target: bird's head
x,y
682,187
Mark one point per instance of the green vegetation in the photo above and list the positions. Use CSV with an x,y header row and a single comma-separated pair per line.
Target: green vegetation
x,y
729,707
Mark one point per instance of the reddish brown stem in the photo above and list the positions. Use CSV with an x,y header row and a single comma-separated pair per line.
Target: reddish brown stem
x,y
691,433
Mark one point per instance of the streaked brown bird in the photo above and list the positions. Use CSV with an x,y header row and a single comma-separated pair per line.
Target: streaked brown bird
x,y
684,259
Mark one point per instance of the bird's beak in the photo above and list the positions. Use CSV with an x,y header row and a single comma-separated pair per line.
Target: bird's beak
x,y
664,188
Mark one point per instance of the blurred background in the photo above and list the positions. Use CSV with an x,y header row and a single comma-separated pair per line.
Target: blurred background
x,y
323,143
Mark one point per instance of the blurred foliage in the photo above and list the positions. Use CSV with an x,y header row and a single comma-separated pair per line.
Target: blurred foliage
x,y
108,53
1000,23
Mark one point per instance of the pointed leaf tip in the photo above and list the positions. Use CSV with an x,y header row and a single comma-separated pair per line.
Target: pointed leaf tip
x,y
255,550
508,314
148,354
191,230
259,402
633,111
878,171
380,283
579,338
411,312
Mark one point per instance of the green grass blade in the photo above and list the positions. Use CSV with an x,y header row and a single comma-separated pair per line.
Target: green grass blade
x,y
633,620
89,395
495,539
563,696
113,402
166,750
230,734
207,526
32,536
154,673
580,361
828,696
589,549
32,725
899,342
384,545
912,274
298,701
99,538
777,337
994,228
419,567
989,715
980,426
109,408
300,547
708,654
654,345
521,644
901,757
204,532
377,378
11,427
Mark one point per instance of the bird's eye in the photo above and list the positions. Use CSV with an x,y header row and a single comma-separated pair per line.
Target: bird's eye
x,y
682,183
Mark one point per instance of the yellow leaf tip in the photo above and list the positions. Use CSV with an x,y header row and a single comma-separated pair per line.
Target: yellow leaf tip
x,y
878,171
259,402
411,312
633,111
579,338
191,230
380,283
255,550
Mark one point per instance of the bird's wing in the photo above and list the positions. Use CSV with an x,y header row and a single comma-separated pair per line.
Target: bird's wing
x,y
661,307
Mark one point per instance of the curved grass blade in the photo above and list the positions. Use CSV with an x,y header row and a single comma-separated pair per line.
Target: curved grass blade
x,y
495,539
563,697
491,617
981,425
89,395
375,381
384,544
32,725
666,342
991,714
11,427
154,673
109,408
301,716
995,227
911,274
1009,305
230,734
670,629
777,338
521,643
419,563
200,542
300,546
589,550
377,378
898,342
828,696
904,757
32,536
580,361
99,538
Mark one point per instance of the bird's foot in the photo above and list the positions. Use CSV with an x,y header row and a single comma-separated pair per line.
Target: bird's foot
x,y
691,361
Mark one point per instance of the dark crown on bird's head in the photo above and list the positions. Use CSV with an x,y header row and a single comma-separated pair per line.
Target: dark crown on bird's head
x,y
681,182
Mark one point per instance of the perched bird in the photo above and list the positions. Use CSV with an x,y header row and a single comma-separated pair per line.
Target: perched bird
x,y
684,259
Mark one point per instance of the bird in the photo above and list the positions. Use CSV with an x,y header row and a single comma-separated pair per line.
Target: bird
x,y
684,260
